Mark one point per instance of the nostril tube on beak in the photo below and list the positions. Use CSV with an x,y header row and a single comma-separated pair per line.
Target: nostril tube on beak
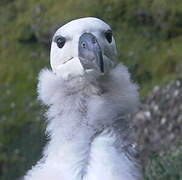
x,y
83,44
90,52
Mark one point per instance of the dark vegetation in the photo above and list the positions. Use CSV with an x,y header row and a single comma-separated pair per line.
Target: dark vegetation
x,y
149,40
158,128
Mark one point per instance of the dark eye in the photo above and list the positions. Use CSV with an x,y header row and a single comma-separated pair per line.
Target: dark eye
x,y
108,35
60,41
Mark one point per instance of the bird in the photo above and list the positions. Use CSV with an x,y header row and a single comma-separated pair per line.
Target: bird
x,y
89,96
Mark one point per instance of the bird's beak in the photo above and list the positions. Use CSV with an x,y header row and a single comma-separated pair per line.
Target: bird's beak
x,y
90,53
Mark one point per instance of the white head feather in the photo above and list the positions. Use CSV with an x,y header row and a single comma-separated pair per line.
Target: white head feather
x,y
69,53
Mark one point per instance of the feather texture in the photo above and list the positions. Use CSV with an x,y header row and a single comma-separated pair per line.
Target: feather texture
x,y
88,128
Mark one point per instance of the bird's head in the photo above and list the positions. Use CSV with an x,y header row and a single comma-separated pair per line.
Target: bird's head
x,y
82,46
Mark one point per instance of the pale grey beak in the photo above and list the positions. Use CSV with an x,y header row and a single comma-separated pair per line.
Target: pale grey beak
x,y
90,53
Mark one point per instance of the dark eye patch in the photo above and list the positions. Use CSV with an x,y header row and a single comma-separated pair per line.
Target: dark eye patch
x,y
60,41
108,35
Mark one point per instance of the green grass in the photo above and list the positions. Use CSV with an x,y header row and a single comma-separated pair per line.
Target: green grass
x,y
165,166
148,36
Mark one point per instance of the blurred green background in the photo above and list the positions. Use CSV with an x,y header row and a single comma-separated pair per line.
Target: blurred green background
x,y
148,34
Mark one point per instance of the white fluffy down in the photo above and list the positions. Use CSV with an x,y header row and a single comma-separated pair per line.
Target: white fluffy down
x,y
88,136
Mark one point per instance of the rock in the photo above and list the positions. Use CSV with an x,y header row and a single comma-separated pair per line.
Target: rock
x,y
158,123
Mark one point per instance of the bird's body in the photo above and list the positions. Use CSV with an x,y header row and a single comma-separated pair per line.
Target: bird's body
x,y
90,137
